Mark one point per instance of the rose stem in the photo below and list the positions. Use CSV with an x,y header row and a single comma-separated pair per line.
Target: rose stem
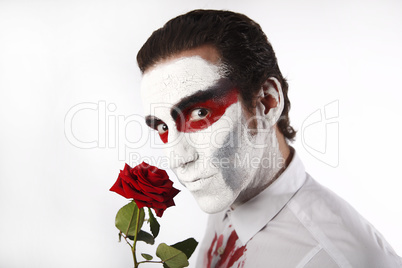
x,y
135,238
125,238
150,262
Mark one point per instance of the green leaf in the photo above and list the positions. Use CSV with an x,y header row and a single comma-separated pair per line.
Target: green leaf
x,y
143,236
187,246
172,257
126,219
153,223
146,237
147,256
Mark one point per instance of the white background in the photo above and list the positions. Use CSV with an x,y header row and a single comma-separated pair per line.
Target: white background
x,y
55,207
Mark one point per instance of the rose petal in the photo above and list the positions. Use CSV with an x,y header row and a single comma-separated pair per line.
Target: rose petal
x,y
147,185
133,193
142,204
159,205
118,187
159,212
148,189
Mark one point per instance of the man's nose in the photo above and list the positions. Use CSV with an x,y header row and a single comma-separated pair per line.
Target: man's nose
x,y
179,150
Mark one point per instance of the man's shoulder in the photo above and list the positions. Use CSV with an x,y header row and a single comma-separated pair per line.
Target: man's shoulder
x,y
339,228
313,198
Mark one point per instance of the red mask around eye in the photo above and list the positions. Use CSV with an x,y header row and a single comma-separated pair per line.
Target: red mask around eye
x,y
164,137
209,112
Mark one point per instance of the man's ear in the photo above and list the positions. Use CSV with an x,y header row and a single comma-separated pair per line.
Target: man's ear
x,y
272,100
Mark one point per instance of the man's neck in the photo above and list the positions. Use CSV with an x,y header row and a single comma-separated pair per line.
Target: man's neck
x,y
264,179
285,149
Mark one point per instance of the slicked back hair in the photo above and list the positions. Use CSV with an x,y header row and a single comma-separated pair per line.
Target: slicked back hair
x,y
244,49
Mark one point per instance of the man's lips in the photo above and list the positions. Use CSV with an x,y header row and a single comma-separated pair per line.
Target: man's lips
x,y
198,183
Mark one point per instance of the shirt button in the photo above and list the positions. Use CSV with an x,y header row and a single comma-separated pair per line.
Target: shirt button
x,y
221,250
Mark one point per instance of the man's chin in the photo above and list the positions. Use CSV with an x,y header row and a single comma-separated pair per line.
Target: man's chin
x,y
212,204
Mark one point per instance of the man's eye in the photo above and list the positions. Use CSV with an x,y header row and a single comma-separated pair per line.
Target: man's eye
x,y
198,114
162,128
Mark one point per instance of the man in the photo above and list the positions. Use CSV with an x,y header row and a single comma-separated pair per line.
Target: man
x,y
213,90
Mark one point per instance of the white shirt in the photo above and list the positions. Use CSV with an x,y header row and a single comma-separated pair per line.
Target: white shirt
x,y
295,222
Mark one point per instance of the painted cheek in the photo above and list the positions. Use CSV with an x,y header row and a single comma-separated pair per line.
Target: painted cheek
x,y
216,108
164,137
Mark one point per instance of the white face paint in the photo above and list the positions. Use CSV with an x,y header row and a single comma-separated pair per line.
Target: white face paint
x,y
210,149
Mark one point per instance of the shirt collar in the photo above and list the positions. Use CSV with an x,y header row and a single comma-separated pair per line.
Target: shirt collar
x,y
249,218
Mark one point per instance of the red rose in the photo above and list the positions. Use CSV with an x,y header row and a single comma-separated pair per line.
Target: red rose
x,y
147,185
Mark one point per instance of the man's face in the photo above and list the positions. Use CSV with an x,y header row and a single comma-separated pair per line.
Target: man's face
x,y
200,118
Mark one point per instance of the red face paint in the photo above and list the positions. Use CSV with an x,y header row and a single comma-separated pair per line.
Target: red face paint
x,y
209,112
200,115
161,127
164,137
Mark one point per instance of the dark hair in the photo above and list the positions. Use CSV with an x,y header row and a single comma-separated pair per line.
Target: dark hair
x,y
241,43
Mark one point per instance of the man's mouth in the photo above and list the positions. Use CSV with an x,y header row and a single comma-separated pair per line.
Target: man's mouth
x,y
198,184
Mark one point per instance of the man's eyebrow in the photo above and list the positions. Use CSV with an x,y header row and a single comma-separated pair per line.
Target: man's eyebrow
x,y
218,90
152,121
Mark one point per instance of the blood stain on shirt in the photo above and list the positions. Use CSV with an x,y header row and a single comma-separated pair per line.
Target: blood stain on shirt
x,y
231,253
